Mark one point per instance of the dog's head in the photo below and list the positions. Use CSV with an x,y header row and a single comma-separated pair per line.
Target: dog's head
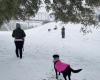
x,y
55,57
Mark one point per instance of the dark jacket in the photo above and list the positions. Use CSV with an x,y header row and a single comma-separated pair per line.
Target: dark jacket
x,y
18,33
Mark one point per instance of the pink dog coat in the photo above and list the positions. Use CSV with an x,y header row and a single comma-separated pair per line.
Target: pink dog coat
x,y
60,66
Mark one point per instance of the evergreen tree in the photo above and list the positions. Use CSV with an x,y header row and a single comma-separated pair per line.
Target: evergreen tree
x,y
75,11
18,9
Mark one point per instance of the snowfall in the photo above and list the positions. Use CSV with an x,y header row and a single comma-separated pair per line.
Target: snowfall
x,y
78,50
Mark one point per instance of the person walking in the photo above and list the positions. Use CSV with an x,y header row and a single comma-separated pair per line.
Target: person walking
x,y
19,36
63,32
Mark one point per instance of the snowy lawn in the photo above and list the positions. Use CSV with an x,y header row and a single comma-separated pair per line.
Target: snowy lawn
x,y
77,50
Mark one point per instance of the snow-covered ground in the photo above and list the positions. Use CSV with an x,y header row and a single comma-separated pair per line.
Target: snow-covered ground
x,y
77,50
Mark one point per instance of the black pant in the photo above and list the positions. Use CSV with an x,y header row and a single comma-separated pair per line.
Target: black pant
x,y
19,47
63,35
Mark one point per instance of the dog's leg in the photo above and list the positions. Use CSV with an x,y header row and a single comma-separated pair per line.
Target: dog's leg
x,y
59,73
69,75
64,75
56,74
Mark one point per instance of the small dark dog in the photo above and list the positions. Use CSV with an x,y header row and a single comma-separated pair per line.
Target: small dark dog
x,y
49,29
63,68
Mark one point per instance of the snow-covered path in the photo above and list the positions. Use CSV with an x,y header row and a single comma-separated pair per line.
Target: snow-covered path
x,y
80,51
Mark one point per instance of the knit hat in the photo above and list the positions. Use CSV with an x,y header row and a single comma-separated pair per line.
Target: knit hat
x,y
18,25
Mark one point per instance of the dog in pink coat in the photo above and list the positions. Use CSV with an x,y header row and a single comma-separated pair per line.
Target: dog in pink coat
x,y
63,68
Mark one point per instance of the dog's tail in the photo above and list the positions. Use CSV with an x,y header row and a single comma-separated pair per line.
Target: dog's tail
x,y
75,71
